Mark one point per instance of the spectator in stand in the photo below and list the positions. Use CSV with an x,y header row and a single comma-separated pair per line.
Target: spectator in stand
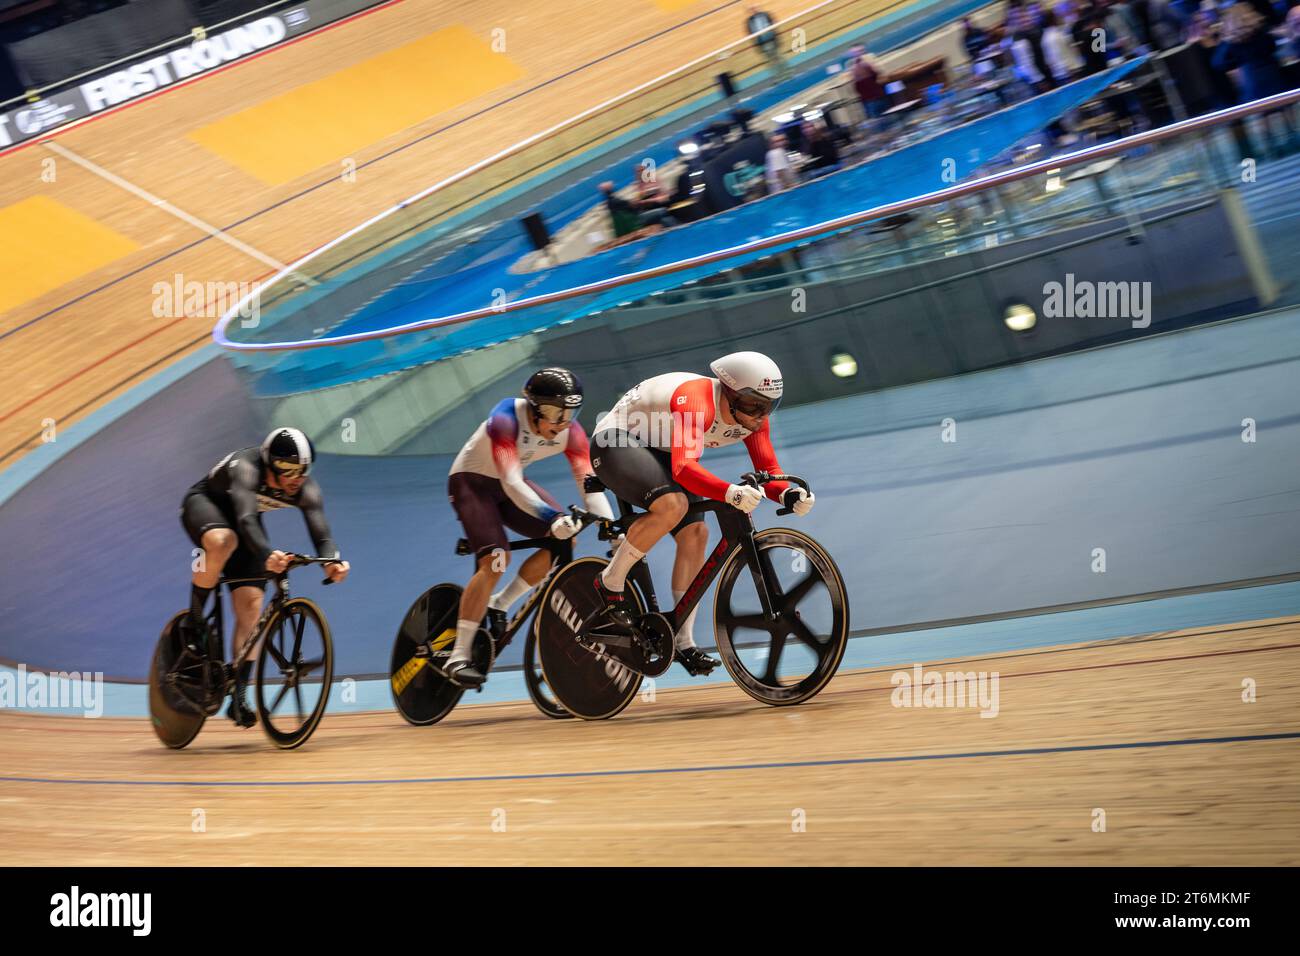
x,y
1121,27
650,194
1026,66
776,168
627,218
869,85
1248,47
1090,39
1293,30
1035,36
759,25
973,38
824,156
1019,18
1058,48
1166,24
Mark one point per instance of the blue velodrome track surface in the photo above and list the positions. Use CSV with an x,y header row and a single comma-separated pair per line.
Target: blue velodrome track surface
x,y
1136,449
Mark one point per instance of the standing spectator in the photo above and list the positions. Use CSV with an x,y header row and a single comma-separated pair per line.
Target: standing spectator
x,y
1165,23
1249,49
1121,27
776,168
1058,49
973,38
1293,30
1026,66
1090,39
759,25
867,84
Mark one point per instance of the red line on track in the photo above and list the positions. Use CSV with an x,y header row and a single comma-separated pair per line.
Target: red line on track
x,y
100,361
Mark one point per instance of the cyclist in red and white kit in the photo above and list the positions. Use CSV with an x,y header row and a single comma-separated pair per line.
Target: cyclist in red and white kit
x,y
647,451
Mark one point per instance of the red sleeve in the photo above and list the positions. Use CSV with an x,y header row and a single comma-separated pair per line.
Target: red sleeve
x,y
692,411
763,456
502,430
578,451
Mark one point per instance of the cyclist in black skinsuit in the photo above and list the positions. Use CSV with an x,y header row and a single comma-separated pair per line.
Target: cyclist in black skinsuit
x,y
222,514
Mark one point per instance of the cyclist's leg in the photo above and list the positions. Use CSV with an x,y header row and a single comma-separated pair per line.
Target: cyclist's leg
x,y
478,501
212,533
246,600
692,537
538,563
643,477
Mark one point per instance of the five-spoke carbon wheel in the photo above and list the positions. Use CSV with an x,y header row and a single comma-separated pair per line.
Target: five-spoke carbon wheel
x,y
295,666
790,659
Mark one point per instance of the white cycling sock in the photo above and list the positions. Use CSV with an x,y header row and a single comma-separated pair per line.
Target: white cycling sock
x,y
685,636
509,594
465,631
615,573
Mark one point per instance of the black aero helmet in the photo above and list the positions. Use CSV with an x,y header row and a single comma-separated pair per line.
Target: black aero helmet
x,y
288,453
554,394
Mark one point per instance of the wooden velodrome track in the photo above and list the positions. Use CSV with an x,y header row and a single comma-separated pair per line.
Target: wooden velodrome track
x,y
81,253
1153,732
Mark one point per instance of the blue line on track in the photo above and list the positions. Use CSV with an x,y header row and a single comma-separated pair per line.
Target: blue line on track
x,y
782,765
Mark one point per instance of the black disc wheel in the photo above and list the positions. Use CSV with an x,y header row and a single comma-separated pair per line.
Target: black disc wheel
x,y
790,659
540,691
421,692
585,679
295,667
176,689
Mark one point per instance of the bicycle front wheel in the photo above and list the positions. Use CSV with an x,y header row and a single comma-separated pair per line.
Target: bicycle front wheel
x,y
295,667
790,659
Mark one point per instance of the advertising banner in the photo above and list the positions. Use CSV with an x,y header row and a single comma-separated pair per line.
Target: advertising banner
x,y
199,55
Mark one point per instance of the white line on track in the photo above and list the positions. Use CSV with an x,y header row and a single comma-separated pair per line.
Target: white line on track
x,y
171,209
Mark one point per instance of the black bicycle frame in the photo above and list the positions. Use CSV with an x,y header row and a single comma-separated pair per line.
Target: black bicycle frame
x,y
737,535
561,554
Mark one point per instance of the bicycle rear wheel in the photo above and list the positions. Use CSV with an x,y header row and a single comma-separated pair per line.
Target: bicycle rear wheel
x,y
295,667
421,694
587,682
789,660
540,691
175,720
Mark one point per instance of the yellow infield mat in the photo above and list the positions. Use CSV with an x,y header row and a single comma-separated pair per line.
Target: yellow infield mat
x,y
44,244
337,116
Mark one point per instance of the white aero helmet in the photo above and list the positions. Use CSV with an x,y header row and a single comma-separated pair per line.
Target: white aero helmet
x,y
751,382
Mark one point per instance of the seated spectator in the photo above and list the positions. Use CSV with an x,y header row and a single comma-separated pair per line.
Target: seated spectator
x,y
627,218
777,170
825,156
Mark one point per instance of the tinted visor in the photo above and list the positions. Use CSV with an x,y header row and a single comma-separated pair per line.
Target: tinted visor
x,y
752,404
289,469
556,414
